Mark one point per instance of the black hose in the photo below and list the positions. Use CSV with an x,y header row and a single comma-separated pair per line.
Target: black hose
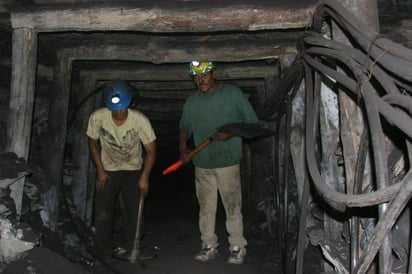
x,y
376,72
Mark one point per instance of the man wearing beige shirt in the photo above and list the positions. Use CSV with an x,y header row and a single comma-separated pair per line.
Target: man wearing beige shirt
x,y
117,136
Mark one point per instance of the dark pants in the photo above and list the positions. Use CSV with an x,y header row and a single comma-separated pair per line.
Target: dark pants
x,y
126,184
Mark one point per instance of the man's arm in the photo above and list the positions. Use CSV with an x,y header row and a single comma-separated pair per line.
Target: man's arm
x,y
184,151
147,167
102,176
183,136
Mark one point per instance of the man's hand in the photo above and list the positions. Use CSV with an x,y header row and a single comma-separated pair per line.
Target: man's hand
x,y
102,176
144,186
101,179
185,156
147,167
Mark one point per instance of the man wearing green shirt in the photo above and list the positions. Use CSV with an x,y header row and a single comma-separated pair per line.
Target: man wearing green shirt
x,y
217,165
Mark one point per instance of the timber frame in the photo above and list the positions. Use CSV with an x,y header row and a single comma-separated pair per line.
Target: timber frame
x,y
31,24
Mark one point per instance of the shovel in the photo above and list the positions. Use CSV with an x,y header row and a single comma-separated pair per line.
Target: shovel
x,y
238,129
135,253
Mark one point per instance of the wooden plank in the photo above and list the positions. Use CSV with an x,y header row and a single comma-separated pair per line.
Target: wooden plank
x,y
242,71
331,174
352,126
166,48
133,17
188,86
24,58
57,128
163,55
82,188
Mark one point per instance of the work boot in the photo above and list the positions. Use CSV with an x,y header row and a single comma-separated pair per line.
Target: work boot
x,y
207,253
237,255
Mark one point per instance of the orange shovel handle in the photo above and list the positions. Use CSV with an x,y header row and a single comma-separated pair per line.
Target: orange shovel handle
x,y
172,167
177,164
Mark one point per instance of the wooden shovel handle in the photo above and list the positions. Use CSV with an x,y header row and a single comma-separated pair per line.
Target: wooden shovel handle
x,y
201,146
135,253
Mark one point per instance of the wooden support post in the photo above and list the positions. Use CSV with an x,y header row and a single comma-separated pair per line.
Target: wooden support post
x,y
83,188
23,72
329,130
353,123
297,139
24,58
57,129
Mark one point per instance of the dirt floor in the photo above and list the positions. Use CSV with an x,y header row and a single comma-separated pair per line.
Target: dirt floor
x,y
171,234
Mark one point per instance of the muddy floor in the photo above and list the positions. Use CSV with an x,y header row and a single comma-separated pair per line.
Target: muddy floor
x,y
170,234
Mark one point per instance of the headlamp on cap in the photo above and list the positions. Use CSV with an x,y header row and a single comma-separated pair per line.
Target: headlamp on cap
x,y
197,67
115,98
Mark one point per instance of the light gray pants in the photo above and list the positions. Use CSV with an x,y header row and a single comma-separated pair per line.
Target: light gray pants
x,y
226,182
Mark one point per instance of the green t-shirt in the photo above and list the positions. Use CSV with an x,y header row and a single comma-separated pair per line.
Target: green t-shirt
x,y
203,113
121,146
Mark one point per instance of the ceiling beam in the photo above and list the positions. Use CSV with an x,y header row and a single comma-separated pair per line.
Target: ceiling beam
x,y
176,72
155,55
133,17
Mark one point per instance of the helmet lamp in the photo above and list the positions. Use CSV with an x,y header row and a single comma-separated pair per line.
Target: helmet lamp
x,y
115,98
200,67
118,95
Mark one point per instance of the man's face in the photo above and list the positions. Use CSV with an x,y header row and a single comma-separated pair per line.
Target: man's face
x,y
119,115
206,82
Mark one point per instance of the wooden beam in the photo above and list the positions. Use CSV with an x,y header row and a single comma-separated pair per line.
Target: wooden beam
x,y
154,89
57,132
24,56
163,55
83,182
352,123
146,72
179,18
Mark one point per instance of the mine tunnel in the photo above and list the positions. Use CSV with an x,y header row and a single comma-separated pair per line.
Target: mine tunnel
x,y
324,174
